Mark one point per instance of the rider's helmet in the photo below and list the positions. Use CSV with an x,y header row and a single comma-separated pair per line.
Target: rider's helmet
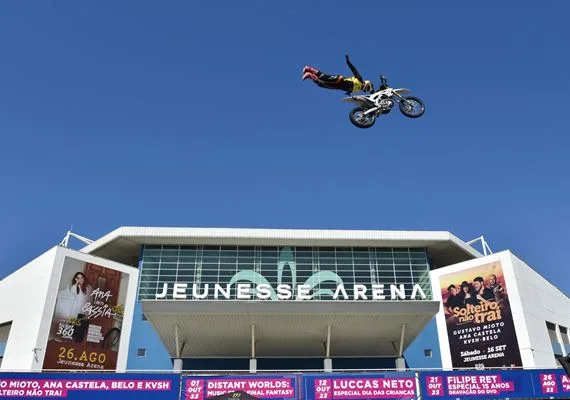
x,y
367,86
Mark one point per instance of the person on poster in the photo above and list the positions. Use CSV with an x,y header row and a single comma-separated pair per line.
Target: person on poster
x,y
497,289
468,294
454,299
482,292
71,299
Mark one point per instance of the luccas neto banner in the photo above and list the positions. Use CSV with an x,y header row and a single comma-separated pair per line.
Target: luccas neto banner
x,y
270,387
388,386
85,332
87,386
479,322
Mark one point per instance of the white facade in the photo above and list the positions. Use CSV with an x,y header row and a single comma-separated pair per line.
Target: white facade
x,y
541,302
533,301
23,296
28,298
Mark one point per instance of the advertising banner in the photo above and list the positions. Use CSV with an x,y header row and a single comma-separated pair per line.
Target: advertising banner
x,y
275,387
85,331
477,385
530,384
86,386
552,383
394,386
478,317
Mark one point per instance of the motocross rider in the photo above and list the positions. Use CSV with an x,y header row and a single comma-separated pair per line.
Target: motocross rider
x,y
348,84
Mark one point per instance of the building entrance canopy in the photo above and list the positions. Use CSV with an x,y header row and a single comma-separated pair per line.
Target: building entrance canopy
x,y
210,329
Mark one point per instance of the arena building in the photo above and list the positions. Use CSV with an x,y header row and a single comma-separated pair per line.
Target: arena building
x,y
273,299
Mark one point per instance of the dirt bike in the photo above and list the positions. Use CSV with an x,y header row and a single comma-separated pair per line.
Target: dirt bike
x,y
381,102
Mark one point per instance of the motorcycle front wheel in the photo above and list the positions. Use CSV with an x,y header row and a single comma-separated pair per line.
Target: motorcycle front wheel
x,y
360,120
412,107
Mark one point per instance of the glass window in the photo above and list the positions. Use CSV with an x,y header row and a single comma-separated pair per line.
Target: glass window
x,y
152,253
564,333
210,259
343,270
551,331
218,264
169,253
228,259
183,268
328,261
150,268
151,259
226,248
245,262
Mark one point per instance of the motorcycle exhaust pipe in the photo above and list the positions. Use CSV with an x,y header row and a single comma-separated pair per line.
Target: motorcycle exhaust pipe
x,y
371,111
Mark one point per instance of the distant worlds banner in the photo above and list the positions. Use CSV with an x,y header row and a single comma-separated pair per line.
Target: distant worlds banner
x,y
271,387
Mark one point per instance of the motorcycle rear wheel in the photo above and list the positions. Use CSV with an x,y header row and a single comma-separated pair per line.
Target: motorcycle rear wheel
x,y
358,119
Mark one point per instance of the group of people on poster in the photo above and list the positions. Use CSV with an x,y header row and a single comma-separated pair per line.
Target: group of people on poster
x,y
474,293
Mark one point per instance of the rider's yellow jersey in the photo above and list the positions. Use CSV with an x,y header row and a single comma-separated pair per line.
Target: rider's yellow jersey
x,y
356,84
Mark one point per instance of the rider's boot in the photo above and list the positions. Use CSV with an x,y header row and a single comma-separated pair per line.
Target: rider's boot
x,y
310,70
310,76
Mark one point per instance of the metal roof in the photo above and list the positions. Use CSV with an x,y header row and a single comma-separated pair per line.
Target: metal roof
x,y
123,244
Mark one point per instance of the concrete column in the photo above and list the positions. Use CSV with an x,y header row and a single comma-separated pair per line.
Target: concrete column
x,y
400,364
177,362
328,365
328,361
252,366
252,360
177,365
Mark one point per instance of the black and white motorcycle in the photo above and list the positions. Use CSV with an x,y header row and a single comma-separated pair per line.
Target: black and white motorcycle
x,y
381,102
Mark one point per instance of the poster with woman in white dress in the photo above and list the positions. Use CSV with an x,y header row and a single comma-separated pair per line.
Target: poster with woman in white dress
x,y
85,332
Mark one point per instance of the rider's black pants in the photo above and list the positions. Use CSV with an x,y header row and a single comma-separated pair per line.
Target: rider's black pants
x,y
334,82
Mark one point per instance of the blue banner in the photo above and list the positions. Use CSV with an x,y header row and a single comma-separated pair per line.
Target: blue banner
x,y
477,385
240,387
86,386
457,385
388,386
463,385
551,383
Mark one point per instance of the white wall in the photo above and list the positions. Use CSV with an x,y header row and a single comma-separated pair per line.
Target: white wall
x,y
541,302
533,301
22,298
30,295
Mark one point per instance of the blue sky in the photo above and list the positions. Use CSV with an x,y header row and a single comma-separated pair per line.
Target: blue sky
x,y
193,114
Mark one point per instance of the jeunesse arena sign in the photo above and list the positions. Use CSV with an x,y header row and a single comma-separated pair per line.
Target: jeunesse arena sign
x,y
287,274
264,291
